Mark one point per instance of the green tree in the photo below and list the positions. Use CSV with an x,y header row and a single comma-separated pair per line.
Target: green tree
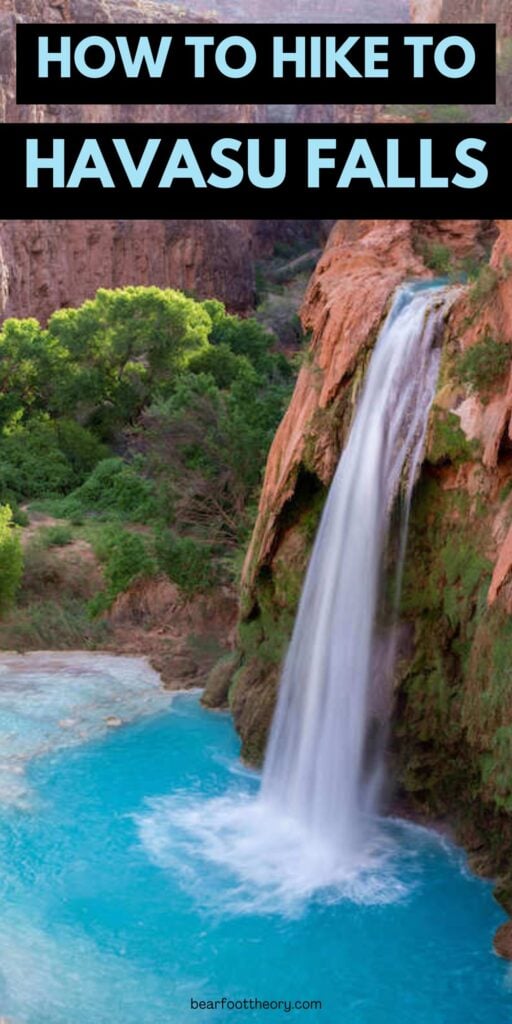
x,y
123,344
245,337
32,364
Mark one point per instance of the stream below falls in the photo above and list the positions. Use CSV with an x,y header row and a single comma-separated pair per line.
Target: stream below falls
x,y
126,890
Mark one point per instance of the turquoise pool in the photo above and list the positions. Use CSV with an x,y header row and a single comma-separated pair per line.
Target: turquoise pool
x,y
125,893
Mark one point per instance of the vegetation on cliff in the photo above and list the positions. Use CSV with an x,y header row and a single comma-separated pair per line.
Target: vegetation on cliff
x,y
453,716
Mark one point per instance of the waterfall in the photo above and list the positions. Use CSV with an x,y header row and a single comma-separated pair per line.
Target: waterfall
x,y
313,829
315,770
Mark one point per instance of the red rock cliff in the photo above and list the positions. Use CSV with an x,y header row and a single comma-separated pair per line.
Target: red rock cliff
x,y
363,263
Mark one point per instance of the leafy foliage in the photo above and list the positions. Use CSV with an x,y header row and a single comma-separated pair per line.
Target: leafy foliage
x,y
127,558
484,363
447,442
142,406
11,560
44,457
186,562
121,344
58,536
484,284
438,258
114,490
206,447
52,625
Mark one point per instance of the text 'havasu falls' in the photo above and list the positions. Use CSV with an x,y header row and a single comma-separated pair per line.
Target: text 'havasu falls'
x,y
230,162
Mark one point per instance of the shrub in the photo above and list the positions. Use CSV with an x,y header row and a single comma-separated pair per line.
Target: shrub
x,y
114,489
278,313
126,558
19,516
11,560
52,625
57,536
46,576
186,562
221,363
32,464
438,258
483,364
447,441
102,539
81,448
245,337
485,283
46,457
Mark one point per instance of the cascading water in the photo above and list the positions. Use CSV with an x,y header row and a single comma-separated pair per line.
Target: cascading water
x,y
312,828
314,769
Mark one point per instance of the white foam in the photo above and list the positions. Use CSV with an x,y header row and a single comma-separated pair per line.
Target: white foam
x,y
269,864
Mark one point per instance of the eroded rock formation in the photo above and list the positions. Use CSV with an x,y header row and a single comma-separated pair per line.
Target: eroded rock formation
x,y
49,264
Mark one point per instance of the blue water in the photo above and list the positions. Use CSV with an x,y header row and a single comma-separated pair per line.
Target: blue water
x,y
105,918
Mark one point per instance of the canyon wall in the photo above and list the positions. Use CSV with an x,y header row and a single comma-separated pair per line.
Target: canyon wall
x,y
452,729
49,264
45,265
363,263
304,10
497,12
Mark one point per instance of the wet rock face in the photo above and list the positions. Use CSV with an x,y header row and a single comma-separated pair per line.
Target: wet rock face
x,y
453,719
452,734
503,941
